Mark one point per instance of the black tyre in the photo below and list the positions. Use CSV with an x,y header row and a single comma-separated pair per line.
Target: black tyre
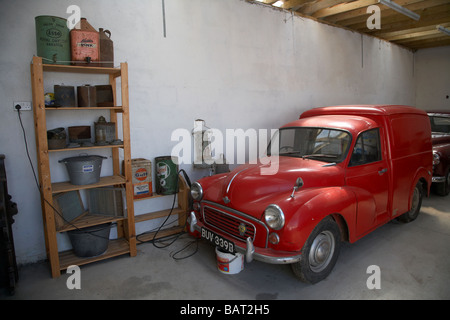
x,y
320,252
416,203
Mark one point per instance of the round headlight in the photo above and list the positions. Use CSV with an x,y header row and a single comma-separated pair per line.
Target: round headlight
x,y
274,217
196,191
436,158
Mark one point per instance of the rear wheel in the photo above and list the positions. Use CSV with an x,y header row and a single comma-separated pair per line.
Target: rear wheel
x,y
416,203
320,252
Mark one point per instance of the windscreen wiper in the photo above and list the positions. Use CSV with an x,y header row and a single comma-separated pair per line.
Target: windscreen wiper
x,y
289,153
318,155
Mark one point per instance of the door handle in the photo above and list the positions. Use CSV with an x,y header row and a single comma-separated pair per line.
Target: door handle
x,y
382,171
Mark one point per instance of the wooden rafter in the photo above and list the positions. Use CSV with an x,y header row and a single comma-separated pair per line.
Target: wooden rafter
x,y
295,4
317,6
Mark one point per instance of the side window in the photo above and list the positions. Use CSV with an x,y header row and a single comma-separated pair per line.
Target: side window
x,y
367,148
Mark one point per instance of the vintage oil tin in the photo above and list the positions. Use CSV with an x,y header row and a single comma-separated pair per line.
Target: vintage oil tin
x,y
56,138
106,49
87,96
84,45
141,170
79,134
166,175
64,96
52,39
105,96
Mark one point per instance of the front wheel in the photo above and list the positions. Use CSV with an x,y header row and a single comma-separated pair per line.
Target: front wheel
x,y
320,252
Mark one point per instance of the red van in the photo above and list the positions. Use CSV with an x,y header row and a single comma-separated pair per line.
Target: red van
x,y
343,171
440,138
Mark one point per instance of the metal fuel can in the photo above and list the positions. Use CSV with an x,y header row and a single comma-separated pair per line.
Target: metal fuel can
x,y
52,40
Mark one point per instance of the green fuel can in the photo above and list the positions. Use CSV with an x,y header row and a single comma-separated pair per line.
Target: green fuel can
x,y
166,175
52,40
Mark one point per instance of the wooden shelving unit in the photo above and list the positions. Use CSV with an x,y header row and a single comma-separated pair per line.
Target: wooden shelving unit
x,y
126,243
180,210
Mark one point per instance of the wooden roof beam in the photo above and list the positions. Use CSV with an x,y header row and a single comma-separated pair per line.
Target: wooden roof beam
x,y
430,43
343,7
295,4
396,35
414,41
315,6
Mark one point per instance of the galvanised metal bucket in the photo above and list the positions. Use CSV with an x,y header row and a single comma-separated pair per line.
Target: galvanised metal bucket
x,y
84,169
52,40
91,241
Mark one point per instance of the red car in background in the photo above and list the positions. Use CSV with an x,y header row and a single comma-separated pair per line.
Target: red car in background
x,y
440,133
343,172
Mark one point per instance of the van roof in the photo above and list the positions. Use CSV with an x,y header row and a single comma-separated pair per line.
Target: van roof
x,y
362,110
351,123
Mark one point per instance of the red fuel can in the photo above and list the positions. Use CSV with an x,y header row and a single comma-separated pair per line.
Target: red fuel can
x,y
84,44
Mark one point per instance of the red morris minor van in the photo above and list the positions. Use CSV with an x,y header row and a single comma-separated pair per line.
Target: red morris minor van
x,y
342,172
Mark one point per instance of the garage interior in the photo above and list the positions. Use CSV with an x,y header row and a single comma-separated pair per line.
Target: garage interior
x,y
236,64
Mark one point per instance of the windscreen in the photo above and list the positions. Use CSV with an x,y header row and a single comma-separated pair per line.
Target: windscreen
x,y
440,124
323,144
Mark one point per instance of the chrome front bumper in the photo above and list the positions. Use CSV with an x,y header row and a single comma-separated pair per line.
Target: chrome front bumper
x,y
438,179
249,250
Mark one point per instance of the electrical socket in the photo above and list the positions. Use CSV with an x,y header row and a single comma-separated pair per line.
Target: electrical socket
x,y
25,106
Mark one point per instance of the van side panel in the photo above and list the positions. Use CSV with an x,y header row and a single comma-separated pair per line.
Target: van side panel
x,y
411,155
409,139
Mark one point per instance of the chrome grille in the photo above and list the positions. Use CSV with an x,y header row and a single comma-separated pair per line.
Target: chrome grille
x,y
229,224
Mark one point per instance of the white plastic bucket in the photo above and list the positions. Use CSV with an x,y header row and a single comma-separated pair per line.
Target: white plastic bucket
x,y
229,263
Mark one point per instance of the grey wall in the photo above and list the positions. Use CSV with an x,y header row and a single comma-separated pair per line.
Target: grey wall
x,y
432,73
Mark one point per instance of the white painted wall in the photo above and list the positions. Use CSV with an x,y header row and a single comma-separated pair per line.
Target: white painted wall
x,y
432,73
231,63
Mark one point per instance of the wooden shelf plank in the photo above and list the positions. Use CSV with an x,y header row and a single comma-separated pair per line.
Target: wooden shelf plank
x,y
80,69
104,182
86,148
153,196
116,247
156,214
116,109
161,234
88,221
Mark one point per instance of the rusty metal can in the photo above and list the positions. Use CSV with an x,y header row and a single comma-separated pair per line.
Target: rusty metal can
x,y
87,96
64,96
105,96
106,49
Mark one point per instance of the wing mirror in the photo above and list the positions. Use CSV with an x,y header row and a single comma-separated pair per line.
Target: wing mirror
x,y
298,184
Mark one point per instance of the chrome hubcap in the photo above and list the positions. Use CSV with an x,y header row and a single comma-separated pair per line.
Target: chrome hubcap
x,y
321,252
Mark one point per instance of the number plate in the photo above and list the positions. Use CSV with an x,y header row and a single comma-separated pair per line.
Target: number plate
x,y
217,240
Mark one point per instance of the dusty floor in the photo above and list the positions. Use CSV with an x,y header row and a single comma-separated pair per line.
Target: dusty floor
x,y
414,262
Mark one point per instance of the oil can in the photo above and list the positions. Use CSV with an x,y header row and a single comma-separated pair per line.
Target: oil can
x,y
84,45
64,96
52,39
87,96
106,49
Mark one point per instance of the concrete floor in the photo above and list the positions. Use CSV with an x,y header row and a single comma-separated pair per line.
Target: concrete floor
x,y
414,261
